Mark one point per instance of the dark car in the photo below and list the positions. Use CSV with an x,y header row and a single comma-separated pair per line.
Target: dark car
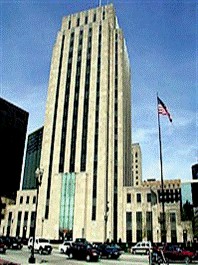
x,y
83,251
2,246
16,243
176,253
12,242
109,251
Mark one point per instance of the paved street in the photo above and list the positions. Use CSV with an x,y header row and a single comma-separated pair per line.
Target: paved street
x,y
20,257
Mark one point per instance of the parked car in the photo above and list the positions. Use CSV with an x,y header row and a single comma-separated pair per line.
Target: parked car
x,y
109,251
143,247
176,253
15,243
64,246
83,251
41,245
6,241
3,247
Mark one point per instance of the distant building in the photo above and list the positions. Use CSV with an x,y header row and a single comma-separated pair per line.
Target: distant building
x,y
13,128
144,211
5,204
136,165
32,160
195,185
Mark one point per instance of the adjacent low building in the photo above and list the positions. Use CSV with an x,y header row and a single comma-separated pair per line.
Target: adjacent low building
x,y
141,213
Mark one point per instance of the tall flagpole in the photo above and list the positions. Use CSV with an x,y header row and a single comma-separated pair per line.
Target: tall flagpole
x,y
163,230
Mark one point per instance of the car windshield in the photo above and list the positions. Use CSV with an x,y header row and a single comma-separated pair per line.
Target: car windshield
x,y
42,240
111,247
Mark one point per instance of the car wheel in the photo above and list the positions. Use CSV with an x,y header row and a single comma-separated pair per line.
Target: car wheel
x,y
88,257
40,251
187,260
61,251
71,255
109,256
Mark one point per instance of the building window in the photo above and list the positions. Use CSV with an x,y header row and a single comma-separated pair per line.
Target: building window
x,y
173,228
27,199
129,227
34,199
149,226
148,197
94,18
103,14
86,19
21,199
66,103
18,223
69,24
139,226
78,22
139,199
128,198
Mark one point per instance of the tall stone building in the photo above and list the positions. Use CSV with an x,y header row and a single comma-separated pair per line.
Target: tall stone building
x,y
86,150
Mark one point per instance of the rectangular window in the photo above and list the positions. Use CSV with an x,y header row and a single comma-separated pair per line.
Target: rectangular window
x,y
149,226
129,226
34,199
128,198
18,223
173,227
103,15
21,199
69,24
139,197
86,20
25,221
139,226
78,22
94,18
148,197
27,199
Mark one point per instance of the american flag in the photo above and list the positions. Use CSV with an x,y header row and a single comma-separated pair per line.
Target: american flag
x,y
162,109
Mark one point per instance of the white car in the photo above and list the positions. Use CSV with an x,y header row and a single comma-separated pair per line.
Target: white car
x,y
41,245
143,247
64,246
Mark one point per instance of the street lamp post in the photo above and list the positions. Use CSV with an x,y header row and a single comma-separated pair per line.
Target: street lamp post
x,y
39,176
106,219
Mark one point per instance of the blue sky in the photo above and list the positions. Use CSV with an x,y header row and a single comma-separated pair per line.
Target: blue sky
x,y
162,42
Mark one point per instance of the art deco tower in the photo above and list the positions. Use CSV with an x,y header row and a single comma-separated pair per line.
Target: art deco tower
x,y
86,150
